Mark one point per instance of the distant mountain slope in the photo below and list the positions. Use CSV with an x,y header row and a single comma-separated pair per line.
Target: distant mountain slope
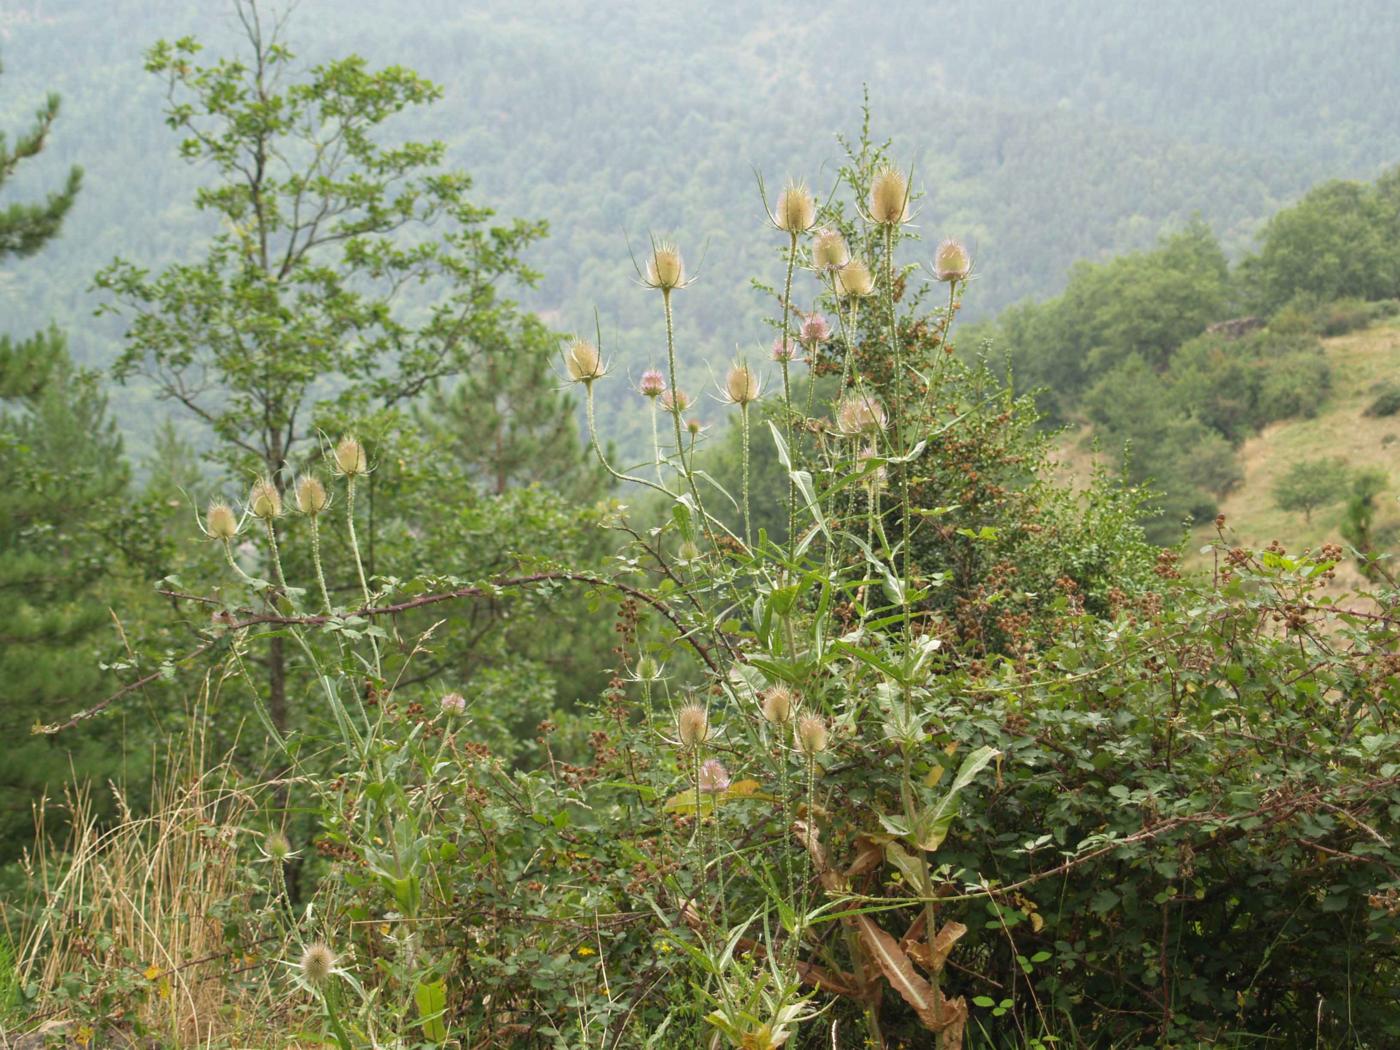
x,y
1043,135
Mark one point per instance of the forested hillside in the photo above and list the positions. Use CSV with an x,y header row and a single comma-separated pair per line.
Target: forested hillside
x,y
1041,136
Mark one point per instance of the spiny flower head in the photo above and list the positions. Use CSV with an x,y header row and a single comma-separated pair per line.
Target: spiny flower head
x,y
783,350
652,383
311,495
264,500
675,401
583,361
854,281
889,198
777,704
688,551
812,734
453,705
648,670
694,426
318,963
220,521
829,251
860,413
814,330
350,458
692,725
277,846
797,210
875,480
713,778
741,385
665,268
951,262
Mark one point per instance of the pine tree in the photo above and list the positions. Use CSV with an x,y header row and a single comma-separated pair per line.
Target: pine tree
x,y
61,469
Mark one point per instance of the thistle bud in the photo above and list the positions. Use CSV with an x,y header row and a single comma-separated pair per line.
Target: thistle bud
x,y
889,198
665,268
693,427
713,778
854,280
652,384
277,846
951,262
453,705
265,501
220,521
741,385
675,401
814,330
777,704
583,361
783,350
311,496
350,458
692,725
812,734
797,211
317,963
860,414
829,251
648,670
688,551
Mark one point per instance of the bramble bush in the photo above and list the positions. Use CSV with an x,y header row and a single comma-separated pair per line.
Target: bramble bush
x,y
951,756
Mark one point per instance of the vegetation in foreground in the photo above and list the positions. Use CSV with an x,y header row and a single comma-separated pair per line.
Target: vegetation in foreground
x,y
913,747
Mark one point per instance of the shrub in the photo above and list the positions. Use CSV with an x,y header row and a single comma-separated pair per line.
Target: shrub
x,y
1386,402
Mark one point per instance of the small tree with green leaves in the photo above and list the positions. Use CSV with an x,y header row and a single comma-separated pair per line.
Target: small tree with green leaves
x,y
1311,483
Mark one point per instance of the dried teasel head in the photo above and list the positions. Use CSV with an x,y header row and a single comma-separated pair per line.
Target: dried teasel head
x,y
349,457
778,704
889,198
665,267
796,211
692,725
220,522
829,251
264,501
583,361
812,734
860,413
318,963
853,280
741,385
951,262
311,495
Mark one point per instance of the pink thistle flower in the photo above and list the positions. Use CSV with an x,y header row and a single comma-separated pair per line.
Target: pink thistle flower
x,y
814,329
714,778
783,350
652,384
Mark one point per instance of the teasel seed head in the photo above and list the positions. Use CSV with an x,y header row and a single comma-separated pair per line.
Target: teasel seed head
x,y
889,198
693,426
692,725
453,705
784,350
854,281
665,268
829,251
777,704
583,361
713,778
812,734
350,458
688,551
797,210
675,401
318,963
264,500
220,521
951,262
311,495
277,846
741,385
652,383
648,670
859,414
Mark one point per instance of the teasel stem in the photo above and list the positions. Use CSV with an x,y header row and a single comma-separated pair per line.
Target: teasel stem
x,y
787,395
947,327
897,424
233,564
744,427
328,1000
686,468
598,450
316,561
276,555
359,563
656,446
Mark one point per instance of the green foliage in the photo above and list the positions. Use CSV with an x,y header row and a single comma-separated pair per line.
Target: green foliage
x,y
1386,403
1312,483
